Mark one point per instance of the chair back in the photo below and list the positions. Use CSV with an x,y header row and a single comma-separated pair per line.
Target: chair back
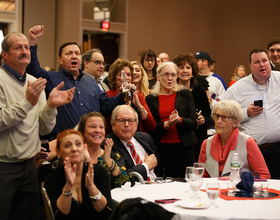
x,y
47,202
138,176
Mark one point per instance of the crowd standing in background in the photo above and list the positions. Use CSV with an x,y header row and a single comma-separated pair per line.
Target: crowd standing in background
x,y
157,133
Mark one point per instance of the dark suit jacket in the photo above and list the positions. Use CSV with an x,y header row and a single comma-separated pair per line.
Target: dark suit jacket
x,y
184,104
147,143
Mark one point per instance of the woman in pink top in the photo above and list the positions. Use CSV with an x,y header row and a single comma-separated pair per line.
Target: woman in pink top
x,y
217,151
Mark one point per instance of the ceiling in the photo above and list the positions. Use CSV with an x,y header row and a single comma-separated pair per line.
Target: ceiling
x,y
7,5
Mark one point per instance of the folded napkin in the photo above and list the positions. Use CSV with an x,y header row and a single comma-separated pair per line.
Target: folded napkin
x,y
246,183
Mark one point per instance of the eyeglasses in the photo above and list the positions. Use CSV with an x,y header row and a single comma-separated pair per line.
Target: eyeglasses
x,y
166,180
166,75
223,117
131,121
99,62
152,61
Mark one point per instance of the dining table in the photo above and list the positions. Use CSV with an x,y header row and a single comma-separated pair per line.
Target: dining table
x,y
229,208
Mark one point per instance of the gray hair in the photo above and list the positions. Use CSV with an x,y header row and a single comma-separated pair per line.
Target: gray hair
x,y
87,56
6,44
157,86
120,107
230,107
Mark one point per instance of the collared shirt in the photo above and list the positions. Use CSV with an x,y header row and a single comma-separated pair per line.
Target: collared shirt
x,y
141,152
265,127
87,97
99,80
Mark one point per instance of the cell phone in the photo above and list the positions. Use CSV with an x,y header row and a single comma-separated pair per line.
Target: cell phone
x,y
166,201
103,142
258,103
198,113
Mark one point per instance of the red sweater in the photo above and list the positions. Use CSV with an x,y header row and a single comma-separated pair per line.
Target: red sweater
x,y
220,154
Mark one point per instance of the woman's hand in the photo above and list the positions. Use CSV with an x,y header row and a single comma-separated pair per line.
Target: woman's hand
x,y
89,177
200,120
174,118
70,172
107,151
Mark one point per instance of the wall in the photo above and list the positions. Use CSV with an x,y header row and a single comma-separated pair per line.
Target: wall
x,y
227,30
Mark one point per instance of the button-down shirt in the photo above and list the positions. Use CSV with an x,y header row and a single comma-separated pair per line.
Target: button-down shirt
x,y
88,96
265,127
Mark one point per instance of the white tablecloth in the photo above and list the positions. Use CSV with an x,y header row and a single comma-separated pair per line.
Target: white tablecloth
x,y
234,209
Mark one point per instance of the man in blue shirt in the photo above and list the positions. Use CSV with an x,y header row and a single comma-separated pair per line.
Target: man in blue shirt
x,y
88,96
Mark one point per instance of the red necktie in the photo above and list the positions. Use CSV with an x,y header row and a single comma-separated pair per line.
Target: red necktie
x,y
135,156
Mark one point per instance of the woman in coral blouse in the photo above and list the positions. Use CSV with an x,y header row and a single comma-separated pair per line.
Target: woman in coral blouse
x,y
217,151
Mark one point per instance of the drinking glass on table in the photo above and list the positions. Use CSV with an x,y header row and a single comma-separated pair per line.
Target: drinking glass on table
x,y
195,184
190,173
199,168
213,191
45,144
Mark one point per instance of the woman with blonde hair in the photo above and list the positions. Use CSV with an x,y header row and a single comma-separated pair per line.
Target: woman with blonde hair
x,y
174,112
140,78
239,73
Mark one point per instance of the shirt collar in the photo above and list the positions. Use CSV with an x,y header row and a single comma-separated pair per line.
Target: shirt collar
x,y
87,74
14,73
67,74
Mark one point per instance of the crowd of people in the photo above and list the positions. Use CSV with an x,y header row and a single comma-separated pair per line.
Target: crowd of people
x,y
179,112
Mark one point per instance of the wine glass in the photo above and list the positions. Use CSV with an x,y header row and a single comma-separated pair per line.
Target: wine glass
x,y
199,168
190,172
213,191
195,184
45,144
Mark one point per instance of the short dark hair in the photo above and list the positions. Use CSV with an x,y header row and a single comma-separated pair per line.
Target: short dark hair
x,y
67,44
148,53
256,51
275,41
87,56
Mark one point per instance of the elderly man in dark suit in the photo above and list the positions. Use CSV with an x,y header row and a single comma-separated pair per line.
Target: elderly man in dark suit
x,y
136,148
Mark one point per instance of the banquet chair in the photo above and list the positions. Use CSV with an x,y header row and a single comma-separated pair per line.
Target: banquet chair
x,y
47,203
138,176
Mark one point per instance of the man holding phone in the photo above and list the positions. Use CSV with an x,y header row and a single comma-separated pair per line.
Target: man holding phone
x,y
258,94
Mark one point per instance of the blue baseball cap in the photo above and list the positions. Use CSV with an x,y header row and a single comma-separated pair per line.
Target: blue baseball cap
x,y
202,55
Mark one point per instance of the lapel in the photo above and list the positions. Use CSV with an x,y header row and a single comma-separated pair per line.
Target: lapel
x,y
143,143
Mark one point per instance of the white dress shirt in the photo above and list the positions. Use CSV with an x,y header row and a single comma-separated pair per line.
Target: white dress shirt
x,y
141,152
265,127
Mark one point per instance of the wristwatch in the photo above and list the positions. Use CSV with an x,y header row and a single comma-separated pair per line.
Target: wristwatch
x,y
96,197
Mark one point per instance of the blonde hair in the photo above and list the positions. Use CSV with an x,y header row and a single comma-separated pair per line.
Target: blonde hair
x,y
144,83
157,87
234,77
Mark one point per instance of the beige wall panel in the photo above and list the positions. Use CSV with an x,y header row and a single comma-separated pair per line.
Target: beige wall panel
x,y
42,12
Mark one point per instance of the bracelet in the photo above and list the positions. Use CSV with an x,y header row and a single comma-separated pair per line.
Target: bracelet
x,y
96,197
67,193
112,167
142,110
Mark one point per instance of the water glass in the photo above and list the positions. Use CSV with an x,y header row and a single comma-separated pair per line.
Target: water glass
x,y
213,191
45,144
265,189
195,184
190,174
199,168
257,189
230,188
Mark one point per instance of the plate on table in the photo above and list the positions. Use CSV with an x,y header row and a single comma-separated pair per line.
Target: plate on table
x,y
192,204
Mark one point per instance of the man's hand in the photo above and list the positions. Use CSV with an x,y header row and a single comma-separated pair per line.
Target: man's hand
x,y
151,161
254,110
34,90
60,97
35,33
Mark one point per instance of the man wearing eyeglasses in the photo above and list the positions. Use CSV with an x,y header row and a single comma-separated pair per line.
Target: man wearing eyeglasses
x,y
273,50
258,94
136,148
88,96
93,65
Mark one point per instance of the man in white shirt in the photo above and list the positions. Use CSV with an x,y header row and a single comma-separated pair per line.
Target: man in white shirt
x,y
93,65
261,123
124,122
